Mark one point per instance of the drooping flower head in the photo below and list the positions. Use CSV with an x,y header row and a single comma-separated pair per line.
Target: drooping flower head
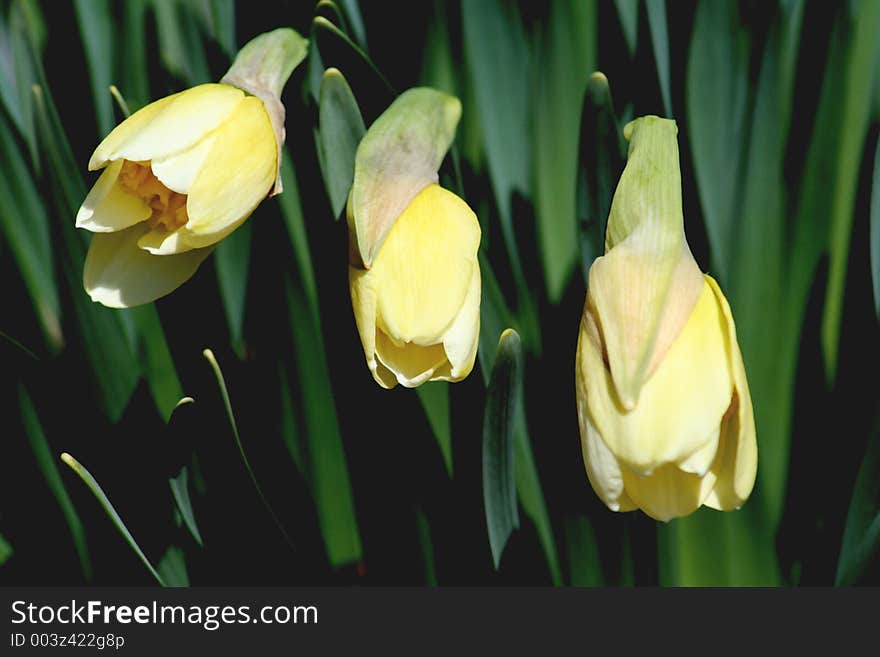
x,y
184,172
413,272
663,402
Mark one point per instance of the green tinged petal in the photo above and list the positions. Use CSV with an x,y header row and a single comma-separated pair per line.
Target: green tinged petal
x,y
397,158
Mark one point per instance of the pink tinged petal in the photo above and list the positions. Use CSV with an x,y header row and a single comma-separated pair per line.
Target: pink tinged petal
x,y
681,404
119,274
108,207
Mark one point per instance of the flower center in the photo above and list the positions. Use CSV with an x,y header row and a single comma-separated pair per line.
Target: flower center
x,y
169,207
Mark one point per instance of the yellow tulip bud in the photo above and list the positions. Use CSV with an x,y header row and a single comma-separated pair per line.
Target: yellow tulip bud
x,y
183,173
663,402
413,273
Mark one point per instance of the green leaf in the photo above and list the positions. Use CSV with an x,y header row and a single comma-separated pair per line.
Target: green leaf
x,y
336,50
599,167
6,550
717,88
155,357
861,536
231,259
222,20
435,400
113,366
291,210
289,429
341,130
660,39
180,43
851,71
135,77
46,462
584,566
24,35
497,54
230,416
179,483
875,230
499,487
180,490
494,317
628,13
25,225
328,9
355,21
328,473
424,529
767,303
96,29
99,493
566,56
531,496
172,567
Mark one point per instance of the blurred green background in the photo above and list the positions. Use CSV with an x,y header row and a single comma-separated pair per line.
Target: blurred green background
x,y
299,469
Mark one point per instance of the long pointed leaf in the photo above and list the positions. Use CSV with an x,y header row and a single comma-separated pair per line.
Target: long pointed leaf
x,y
499,470
99,493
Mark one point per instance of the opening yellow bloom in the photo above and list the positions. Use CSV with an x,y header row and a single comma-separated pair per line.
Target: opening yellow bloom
x,y
663,402
417,308
179,175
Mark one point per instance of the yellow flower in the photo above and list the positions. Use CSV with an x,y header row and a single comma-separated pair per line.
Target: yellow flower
x,y
414,274
183,173
663,402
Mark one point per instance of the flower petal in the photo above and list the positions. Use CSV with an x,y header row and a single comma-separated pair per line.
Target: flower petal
x,y
645,286
396,159
169,125
411,364
666,493
118,274
423,271
738,451
681,404
461,340
363,302
159,241
236,176
178,170
108,207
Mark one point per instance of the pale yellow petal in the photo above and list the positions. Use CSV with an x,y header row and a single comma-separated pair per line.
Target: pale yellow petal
x,y
120,275
738,451
236,176
646,284
701,460
108,207
424,269
681,404
126,131
411,364
665,494
460,341
363,302
643,298
159,241
174,125
178,171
